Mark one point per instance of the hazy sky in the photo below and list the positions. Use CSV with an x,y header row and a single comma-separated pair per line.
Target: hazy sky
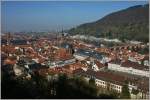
x,y
52,15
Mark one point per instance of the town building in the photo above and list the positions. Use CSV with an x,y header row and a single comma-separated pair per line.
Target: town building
x,y
129,67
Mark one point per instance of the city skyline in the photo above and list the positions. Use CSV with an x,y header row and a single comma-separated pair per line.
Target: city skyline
x,y
75,50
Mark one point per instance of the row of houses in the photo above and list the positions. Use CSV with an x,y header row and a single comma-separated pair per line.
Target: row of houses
x,y
129,67
112,81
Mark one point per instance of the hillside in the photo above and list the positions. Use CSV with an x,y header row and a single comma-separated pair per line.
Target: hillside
x,y
131,23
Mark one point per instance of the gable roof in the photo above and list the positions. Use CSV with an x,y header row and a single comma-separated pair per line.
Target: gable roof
x,y
134,65
100,65
106,76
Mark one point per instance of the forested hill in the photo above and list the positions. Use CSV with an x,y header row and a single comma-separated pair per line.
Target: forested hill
x,y
131,23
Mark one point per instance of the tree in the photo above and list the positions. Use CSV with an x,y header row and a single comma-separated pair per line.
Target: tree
x,y
14,88
144,50
62,86
72,50
107,96
39,88
135,92
92,81
21,63
18,52
125,94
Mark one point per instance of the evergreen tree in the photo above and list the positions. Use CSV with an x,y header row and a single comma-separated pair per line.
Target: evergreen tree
x,y
92,81
125,94
135,92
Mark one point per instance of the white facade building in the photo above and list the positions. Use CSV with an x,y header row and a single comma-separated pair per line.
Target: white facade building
x,y
106,84
130,70
80,57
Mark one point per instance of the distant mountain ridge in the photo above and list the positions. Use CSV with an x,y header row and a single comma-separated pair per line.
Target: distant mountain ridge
x,y
131,23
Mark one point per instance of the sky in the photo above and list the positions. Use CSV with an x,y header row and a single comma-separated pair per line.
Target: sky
x,y
37,16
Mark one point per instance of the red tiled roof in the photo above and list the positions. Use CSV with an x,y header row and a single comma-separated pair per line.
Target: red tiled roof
x,y
134,65
100,65
143,84
146,57
115,61
23,46
73,67
78,71
106,76
10,61
8,49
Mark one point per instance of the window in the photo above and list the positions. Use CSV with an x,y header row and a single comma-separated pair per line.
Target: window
x,y
116,87
101,82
